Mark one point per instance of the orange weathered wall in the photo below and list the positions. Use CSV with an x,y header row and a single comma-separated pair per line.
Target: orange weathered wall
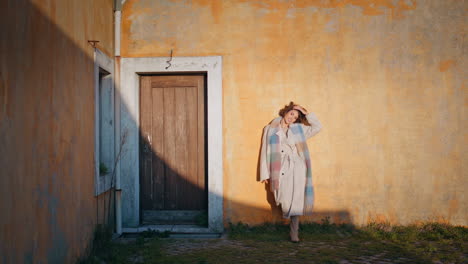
x,y
47,202
386,78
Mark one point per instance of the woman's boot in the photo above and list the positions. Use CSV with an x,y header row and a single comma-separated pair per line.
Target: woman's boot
x,y
294,228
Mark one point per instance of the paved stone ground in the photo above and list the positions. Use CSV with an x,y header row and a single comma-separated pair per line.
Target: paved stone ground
x,y
250,251
184,246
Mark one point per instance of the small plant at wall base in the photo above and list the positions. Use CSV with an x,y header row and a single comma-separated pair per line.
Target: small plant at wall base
x,y
103,170
123,141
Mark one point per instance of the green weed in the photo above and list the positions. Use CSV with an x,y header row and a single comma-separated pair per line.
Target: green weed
x,y
323,242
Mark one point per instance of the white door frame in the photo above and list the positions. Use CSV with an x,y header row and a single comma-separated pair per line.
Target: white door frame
x,y
131,68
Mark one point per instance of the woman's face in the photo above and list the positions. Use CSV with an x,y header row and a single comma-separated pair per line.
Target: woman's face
x,y
291,117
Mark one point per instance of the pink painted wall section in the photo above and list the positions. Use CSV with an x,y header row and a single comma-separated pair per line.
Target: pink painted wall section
x,y
47,200
386,78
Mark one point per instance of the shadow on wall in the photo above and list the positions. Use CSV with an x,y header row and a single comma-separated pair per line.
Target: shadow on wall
x,y
175,188
343,216
49,210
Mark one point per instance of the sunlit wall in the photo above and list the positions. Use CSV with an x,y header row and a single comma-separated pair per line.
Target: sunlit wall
x,y
386,78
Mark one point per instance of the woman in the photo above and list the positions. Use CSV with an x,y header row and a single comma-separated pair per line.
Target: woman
x,y
285,162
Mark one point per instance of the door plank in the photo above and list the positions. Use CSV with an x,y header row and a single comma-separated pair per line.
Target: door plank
x,y
145,148
157,142
192,136
201,175
171,183
181,157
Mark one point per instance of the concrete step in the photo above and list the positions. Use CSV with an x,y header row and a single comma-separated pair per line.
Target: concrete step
x,y
173,229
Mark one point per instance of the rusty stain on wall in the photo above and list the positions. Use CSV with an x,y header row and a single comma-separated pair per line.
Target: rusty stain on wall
x,y
445,65
47,127
392,143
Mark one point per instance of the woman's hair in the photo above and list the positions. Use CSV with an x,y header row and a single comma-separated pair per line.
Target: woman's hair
x,y
300,119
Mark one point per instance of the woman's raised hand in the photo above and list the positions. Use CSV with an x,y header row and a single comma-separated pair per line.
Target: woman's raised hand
x,y
300,108
265,181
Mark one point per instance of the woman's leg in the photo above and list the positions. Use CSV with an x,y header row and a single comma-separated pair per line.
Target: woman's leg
x,y
294,228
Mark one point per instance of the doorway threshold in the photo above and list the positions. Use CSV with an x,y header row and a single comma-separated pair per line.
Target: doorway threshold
x,y
179,229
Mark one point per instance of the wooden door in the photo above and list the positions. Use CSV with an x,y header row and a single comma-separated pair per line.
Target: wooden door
x,y
172,143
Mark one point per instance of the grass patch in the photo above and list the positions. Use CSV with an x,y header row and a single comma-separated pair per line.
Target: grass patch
x,y
274,232
322,242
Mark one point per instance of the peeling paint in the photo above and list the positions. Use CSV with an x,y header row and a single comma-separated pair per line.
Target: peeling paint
x,y
369,7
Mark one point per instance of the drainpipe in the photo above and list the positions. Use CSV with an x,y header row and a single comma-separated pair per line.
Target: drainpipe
x,y
118,190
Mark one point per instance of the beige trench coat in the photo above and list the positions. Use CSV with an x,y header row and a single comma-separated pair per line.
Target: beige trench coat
x,y
290,194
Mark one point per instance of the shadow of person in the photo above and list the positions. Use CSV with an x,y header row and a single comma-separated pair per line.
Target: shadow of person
x,y
276,211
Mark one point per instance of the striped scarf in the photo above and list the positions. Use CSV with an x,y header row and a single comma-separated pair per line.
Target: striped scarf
x,y
274,159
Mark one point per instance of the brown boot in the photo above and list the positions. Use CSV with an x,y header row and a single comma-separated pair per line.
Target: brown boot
x,y
294,228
